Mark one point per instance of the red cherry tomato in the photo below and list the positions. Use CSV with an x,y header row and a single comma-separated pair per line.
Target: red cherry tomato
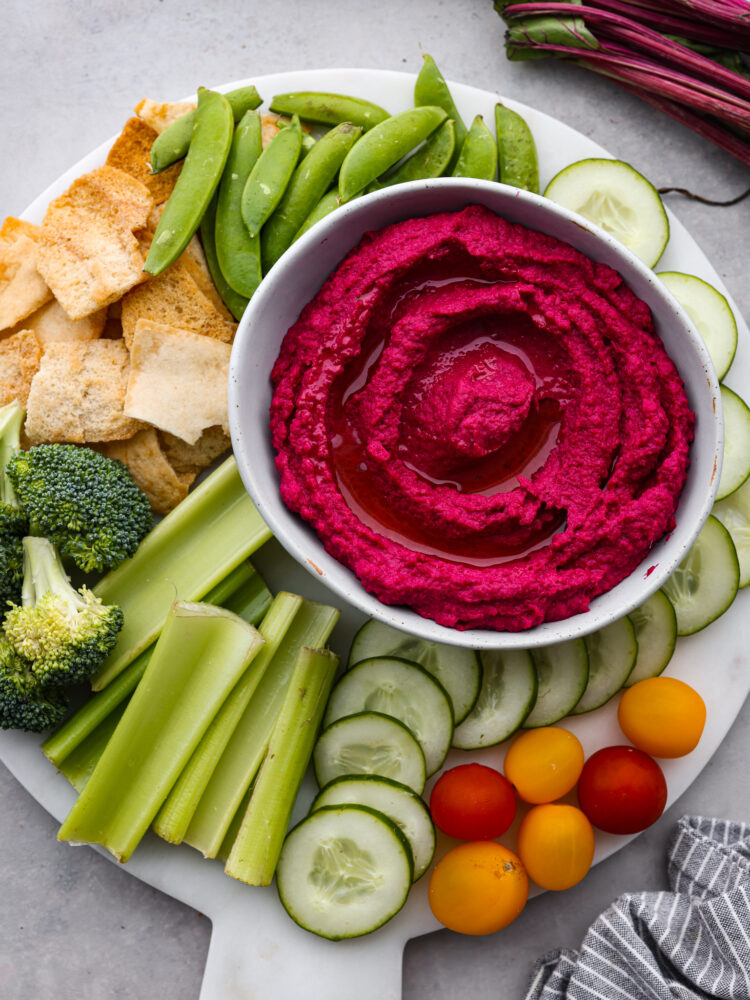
x,y
473,802
622,790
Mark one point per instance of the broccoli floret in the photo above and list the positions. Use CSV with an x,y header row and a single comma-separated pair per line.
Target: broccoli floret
x,y
24,702
85,503
11,570
12,520
64,633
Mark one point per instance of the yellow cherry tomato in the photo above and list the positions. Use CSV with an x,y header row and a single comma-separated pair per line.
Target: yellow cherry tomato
x,y
662,716
556,845
544,763
478,888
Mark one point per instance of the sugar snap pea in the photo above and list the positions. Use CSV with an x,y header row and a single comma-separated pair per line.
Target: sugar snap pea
x,y
432,159
517,157
478,157
238,252
308,184
431,88
270,175
199,178
327,204
172,144
384,145
234,302
329,109
308,141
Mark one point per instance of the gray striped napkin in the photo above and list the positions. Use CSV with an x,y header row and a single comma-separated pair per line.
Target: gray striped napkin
x,y
692,942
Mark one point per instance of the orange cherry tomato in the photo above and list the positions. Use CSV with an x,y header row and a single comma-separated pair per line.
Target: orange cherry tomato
x,y
473,802
662,716
622,790
544,763
478,888
556,845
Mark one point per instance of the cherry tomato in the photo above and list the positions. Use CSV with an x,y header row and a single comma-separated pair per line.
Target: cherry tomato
x,y
556,845
473,802
478,888
544,763
662,716
622,790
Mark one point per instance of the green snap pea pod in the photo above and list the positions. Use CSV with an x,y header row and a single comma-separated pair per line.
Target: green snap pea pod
x,y
172,144
238,252
308,184
327,204
517,157
432,159
234,302
199,178
329,109
384,145
478,157
270,175
308,141
431,88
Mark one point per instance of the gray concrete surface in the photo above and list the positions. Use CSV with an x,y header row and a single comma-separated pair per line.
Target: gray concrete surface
x,y
71,924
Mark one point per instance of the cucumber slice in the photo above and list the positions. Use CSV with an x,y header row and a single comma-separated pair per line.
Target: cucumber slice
x,y
369,743
612,653
396,801
403,690
655,624
508,693
711,313
735,468
562,672
706,581
734,514
616,197
344,871
458,670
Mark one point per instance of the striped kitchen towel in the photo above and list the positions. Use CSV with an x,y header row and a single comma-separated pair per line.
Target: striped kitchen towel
x,y
691,942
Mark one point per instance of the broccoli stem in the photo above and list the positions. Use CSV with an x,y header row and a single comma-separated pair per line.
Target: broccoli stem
x,y
201,654
187,553
256,850
247,746
11,421
175,815
44,573
243,591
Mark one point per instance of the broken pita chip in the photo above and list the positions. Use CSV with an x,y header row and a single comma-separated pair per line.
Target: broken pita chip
x,y
150,469
195,262
22,288
78,394
185,458
106,192
131,153
12,228
159,116
52,324
20,355
178,380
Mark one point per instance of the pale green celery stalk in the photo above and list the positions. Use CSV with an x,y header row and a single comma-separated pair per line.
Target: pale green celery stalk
x,y
246,749
201,654
243,591
256,849
234,827
79,764
174,816
188,552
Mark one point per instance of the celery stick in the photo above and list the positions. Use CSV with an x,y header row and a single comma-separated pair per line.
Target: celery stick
x,y
246,749
175,815
256,850
201,654
191,550
243,591
79,764
234,827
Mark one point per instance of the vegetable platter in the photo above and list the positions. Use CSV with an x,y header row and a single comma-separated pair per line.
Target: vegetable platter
x,y
255,949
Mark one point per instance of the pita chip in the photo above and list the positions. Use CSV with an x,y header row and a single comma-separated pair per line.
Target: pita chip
x,y
22,288
52,324
20,355
159,116
130,153
185,458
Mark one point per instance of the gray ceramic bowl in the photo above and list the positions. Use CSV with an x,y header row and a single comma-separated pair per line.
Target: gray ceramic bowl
x,y
298,276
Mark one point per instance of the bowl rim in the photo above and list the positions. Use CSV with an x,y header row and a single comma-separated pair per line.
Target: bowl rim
x,y
339,578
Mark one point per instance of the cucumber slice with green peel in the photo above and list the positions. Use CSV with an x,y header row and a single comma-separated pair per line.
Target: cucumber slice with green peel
x,y
734,514
706,581
613,195
401,689
344,871
735,467
655,624
369,743
612,653
508,693
711,314
396,801
562,672
458,670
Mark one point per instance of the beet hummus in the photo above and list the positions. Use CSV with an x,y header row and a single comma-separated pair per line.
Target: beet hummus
x,y
480,422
